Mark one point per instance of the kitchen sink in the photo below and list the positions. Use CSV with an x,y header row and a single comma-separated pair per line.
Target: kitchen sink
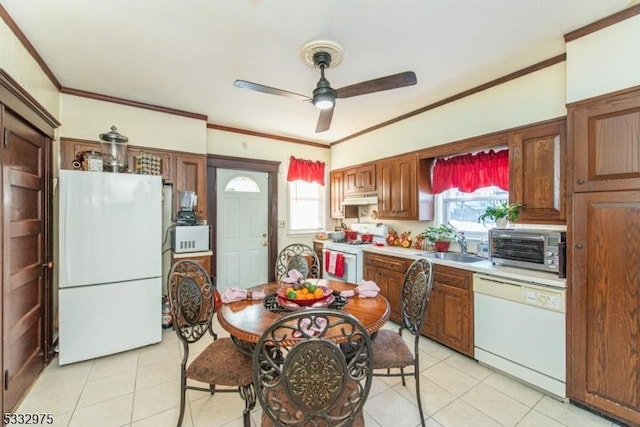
x,y
451,256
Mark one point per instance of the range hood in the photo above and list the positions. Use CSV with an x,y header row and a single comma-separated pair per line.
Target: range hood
x,y
366,199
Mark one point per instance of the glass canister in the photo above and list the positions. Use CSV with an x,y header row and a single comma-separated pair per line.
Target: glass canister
x,y
93,161
114,150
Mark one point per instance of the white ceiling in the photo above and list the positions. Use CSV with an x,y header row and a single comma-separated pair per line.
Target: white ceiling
x,y
186,54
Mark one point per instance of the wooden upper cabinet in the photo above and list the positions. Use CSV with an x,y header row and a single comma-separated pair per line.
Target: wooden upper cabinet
x,y
336,188
537,167
397,187
605,143
70,148
360,179
191,176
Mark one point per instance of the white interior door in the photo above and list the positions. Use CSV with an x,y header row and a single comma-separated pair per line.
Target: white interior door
x,y
242,215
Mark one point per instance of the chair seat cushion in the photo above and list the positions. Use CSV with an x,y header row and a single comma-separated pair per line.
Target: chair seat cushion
x,y
221,363
279,397
390,350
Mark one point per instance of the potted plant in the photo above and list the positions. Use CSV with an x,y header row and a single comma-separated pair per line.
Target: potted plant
x,y
501,213
441,236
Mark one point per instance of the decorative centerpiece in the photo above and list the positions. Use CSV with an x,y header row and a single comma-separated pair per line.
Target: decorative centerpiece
x,y
309,293
501,214
441,236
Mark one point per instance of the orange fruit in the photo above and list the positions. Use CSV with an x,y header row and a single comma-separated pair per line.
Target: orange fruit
x,y
318,293
304,291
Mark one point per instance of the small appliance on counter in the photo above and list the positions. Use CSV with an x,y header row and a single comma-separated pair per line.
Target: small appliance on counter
x,y
190,238
186,214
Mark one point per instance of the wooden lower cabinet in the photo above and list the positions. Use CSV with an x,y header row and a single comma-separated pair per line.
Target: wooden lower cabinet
x,y
450,310
388,273
202,258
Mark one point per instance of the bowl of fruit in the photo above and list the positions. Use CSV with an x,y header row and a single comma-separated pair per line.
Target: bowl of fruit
x,y
309,293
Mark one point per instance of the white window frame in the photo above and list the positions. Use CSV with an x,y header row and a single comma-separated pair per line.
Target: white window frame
x,y
442,200
296,197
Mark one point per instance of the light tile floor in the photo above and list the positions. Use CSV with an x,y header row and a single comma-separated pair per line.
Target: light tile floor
x,y
141,388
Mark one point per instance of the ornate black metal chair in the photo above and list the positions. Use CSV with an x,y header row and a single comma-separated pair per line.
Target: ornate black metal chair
x,y
191,294
390,350
299,257
303,377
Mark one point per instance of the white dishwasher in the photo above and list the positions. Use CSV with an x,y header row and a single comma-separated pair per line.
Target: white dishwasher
x,y
519,328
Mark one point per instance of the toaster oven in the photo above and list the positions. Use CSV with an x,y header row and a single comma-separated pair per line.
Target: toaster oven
x,y
543,250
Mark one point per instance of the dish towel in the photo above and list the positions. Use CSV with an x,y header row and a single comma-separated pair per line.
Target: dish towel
x,y
293,276
365,289
334,262
237,294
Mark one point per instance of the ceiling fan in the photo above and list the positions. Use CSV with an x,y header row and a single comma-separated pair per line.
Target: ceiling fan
x,y
320,54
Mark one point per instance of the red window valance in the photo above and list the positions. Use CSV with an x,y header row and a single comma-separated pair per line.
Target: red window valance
x,y
469,172
306,170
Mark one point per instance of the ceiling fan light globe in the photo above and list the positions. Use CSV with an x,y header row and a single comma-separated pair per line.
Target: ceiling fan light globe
x,y
324,97
322,103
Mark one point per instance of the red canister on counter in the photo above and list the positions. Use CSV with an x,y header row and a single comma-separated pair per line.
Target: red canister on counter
x,y
350,235
366,237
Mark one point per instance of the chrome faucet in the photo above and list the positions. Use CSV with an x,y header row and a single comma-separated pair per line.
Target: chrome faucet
x,y
462,241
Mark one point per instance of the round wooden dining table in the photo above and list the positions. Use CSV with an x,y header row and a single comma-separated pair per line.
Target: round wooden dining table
x,y
246,320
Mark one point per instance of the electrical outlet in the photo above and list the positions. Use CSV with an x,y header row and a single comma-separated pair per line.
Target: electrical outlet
x,y
282,223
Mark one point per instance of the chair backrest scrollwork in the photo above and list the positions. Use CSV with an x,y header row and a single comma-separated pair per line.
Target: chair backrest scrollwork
x,y
299,257
191,295
304,376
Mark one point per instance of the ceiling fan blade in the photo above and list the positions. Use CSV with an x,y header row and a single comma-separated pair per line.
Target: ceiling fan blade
x,y
408,78
324,120
271,90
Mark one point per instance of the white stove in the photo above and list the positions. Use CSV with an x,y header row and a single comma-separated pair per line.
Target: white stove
x,y
344,260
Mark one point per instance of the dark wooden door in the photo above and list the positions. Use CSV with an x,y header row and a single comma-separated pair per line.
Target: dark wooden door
x,y
24,270
604,308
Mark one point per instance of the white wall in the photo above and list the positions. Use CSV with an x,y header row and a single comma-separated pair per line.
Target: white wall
x,y
21,66
532,98
253,147
87,118
604,61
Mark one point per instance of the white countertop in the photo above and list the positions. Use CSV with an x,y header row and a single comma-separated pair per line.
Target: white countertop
x,y
191,254
484,266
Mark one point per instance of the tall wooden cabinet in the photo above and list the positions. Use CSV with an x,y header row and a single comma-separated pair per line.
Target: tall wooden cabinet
x,y
336,183
603,361
537,162
191,175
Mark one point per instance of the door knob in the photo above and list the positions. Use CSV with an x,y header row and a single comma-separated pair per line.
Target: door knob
x,y
265,244
579,246
48,265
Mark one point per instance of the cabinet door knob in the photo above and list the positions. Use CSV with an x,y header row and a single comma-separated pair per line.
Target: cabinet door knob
x,y
580,181
579,246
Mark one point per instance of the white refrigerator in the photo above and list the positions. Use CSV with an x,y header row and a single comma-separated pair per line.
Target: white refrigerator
x,y
110,263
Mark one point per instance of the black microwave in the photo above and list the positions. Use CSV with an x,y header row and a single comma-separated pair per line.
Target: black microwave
x,y
543,250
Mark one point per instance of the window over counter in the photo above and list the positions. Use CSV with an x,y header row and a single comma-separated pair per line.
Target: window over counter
x,y
306,207
463,209
465,185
